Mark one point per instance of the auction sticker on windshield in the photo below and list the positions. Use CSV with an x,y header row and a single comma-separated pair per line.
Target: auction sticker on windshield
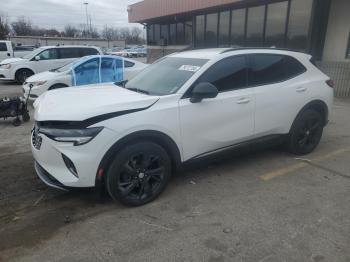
x,y
189,68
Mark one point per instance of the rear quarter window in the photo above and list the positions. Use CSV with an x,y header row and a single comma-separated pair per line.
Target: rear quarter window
x,y
69,52
88,51
128,63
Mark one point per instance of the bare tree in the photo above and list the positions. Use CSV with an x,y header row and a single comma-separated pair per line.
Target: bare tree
x,y
108,33
70,31
4,27
22,26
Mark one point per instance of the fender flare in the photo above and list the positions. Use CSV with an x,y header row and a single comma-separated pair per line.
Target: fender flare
x,y
319,106
151,135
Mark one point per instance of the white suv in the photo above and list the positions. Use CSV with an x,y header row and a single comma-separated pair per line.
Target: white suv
x,y
43,59
183,107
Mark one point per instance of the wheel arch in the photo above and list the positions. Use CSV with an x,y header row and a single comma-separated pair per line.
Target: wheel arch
x,y
57,84
150,135
17,70
317,105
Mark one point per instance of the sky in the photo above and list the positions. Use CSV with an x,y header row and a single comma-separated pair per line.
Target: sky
x,y
58,13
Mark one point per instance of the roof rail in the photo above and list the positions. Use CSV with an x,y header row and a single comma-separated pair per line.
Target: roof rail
x,y
256,48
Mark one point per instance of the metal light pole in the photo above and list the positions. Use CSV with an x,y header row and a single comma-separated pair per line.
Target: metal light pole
x,y
87,18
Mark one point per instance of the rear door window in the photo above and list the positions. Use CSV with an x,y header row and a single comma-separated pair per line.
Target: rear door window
x,y
88,51
266,69
3,47
111,70
68,52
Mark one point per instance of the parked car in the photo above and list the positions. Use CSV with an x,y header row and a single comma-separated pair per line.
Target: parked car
x,y
43,59
9,50
87,70
184,107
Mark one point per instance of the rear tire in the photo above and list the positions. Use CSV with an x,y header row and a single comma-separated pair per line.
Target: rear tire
x,y
22,75
306,133
139,173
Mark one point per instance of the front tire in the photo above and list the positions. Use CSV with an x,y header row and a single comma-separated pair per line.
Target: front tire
x,y
22,75
306,133
139,173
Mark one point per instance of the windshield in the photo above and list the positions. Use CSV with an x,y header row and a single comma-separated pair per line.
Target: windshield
x,y
69,66
64,68
33,53
165,76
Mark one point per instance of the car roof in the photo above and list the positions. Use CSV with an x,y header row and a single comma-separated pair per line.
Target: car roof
x,y
68,46
213,53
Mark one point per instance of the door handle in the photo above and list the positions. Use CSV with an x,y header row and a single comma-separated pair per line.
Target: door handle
x,y
301,89
243,101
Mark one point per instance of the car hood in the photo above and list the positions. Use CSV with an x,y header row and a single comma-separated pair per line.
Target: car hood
x,y
12,60
44,76
82,103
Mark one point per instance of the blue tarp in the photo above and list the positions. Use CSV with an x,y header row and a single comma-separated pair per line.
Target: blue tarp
x,y
98,69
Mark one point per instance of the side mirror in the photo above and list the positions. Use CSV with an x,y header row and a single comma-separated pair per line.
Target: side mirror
x,y
202,91
37,58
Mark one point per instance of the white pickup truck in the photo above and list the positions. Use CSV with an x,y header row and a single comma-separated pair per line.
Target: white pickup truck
x,y
8,50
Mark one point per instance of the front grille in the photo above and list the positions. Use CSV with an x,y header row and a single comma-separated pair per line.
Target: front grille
x,y
34,134
36,138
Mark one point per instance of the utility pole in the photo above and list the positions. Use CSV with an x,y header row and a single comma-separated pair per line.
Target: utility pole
x,y
87,18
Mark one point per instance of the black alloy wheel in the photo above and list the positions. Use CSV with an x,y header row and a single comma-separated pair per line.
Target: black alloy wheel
x,y
139,173
306,133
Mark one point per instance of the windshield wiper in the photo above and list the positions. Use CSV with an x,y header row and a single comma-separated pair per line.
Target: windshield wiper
x,y
138,90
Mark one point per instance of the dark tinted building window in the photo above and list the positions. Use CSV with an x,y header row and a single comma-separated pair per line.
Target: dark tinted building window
x,y
255,26
238,27
200,22
276,24
150,34
268,69
156,33
188,32
172,34
88,51
228,74
212,30
224,29
348,50
164,33
3,47
69,53
180,34
299,24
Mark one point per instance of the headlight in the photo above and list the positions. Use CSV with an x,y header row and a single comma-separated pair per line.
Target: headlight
x,y
76,136
5,66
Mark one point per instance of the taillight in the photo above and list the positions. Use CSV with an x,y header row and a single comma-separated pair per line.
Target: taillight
x,y
330,83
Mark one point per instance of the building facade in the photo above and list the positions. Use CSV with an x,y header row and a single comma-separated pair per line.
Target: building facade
x,y
318,27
